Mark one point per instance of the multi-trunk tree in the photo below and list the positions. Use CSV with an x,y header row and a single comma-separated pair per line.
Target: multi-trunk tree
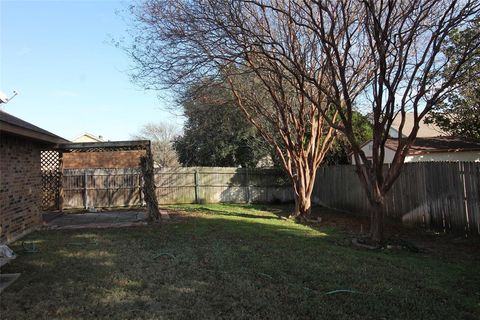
x,y
300,69
386,57
239,44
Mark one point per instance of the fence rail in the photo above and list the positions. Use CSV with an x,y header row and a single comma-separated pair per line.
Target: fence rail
x,y
83,188
438,195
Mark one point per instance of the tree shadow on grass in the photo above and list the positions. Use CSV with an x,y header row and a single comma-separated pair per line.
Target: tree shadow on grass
x,y
273,212
215,266
120,274
207,210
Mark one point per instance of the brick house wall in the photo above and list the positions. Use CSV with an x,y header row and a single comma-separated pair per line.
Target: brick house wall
x,y
20,186
107,159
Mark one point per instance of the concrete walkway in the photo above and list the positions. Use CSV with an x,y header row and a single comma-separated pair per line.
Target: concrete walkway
x,y
111,219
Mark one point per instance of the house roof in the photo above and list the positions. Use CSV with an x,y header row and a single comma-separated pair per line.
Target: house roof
x,y
433,145
438,144
88,135
16,126
425,130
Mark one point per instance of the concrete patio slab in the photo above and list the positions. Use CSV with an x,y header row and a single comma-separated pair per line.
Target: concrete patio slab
x,y
111,219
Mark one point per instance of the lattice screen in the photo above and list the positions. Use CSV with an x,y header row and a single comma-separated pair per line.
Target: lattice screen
x,y
50,165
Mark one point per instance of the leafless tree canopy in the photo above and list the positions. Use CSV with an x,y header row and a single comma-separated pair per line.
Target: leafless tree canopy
x,y
385,57
299,69
161,136
261,56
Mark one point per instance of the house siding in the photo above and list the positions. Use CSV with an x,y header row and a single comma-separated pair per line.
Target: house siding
x,y
433,156
87,138
445,156
20,186
367,149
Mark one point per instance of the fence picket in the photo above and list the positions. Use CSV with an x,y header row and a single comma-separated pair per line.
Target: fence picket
x,y
436,195
118,187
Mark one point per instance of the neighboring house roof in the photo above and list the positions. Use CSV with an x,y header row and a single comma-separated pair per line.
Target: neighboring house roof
x,y
19,127
88,137
438,144
433,145
425,130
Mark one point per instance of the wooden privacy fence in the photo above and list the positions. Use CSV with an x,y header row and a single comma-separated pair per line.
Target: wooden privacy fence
x,y
437,195
83,188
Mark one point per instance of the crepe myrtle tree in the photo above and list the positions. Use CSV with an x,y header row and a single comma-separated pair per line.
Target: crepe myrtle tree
x,y
299,70
243,47
387,58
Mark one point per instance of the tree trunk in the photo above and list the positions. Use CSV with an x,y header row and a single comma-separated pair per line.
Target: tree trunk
x,y
303,181
146,163
303,206
377,222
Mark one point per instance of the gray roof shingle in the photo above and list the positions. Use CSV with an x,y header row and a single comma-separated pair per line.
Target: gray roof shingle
x,y
6,118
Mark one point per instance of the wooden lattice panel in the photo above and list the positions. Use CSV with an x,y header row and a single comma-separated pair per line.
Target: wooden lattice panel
x,y
50,165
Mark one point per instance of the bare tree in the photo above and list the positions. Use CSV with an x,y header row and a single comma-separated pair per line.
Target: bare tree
x,y
161,135
386,58
299,69
244,47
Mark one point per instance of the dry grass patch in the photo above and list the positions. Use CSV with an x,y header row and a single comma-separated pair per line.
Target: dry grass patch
x,y
233,262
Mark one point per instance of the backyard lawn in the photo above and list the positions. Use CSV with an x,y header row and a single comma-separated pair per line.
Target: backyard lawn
x,y
240,262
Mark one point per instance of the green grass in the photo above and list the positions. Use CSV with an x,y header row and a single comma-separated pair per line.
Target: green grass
x,y
226,261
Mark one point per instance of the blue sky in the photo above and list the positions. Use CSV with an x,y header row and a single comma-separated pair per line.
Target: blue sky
x,y
59,56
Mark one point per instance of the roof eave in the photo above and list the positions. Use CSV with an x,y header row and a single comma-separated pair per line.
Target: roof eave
x,y
418,153
27,133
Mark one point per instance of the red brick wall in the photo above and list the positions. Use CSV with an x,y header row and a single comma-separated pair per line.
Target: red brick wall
x,y
20,185
110,159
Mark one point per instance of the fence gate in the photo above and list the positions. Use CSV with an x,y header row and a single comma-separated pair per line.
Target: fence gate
x,y
51,179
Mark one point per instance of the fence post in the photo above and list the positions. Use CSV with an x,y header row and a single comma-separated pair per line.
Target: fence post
x,y
196,186
140,184
85,191
109,191
247,182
